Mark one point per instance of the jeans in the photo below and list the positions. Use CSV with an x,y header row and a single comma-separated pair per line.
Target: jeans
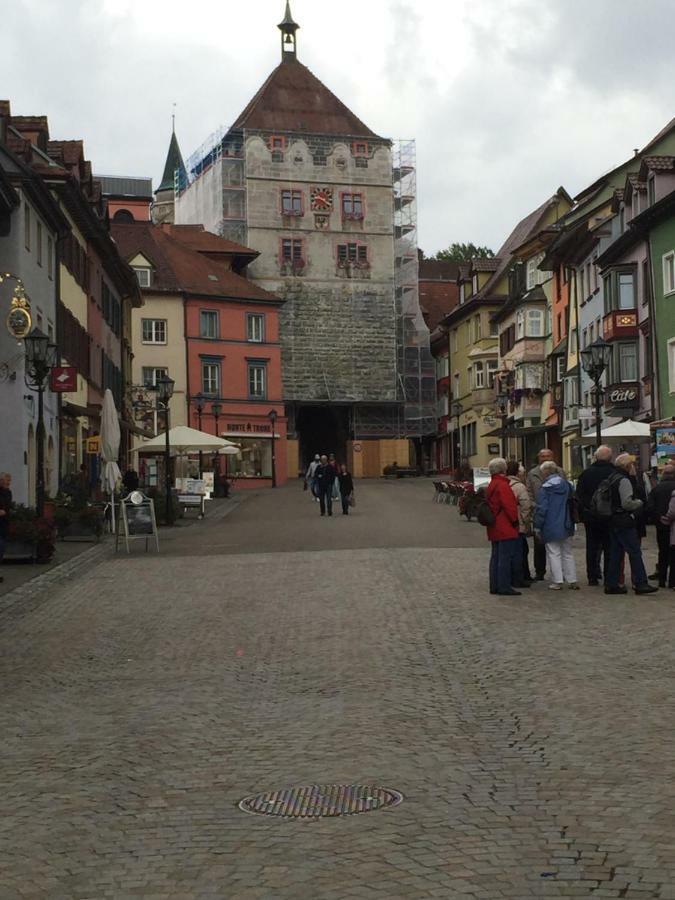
x,y
520,571
597,546
326,499
539,558
561,561
663,540
526,558
501,565
625,540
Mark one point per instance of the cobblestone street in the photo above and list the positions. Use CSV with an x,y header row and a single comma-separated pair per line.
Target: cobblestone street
x,y
531,737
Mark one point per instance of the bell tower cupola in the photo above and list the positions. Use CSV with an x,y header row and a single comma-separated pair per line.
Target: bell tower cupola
x,y
288,38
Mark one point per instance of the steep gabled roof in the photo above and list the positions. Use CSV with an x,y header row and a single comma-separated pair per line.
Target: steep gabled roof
x,y
293,99
178,268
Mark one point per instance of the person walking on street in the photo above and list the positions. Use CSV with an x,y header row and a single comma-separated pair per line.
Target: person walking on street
x,y
503,532
336,486
597,530
310,480
534,482
5,511
658,503
623,531
670,519
554,524
346,484
521,568
325,476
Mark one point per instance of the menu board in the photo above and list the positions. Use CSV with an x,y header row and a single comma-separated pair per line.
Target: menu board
x,y
136,520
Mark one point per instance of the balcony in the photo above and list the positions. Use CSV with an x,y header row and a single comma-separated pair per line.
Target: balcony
x,y
619,324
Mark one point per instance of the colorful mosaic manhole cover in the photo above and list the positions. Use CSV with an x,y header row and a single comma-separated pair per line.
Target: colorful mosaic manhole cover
x,y
320,800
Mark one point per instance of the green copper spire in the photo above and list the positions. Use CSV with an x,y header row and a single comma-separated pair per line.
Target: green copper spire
x,y
174,160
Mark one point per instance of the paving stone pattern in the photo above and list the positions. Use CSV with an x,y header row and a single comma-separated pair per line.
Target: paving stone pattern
x,y
532,738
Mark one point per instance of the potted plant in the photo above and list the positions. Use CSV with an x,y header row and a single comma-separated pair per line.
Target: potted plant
x,y
30,536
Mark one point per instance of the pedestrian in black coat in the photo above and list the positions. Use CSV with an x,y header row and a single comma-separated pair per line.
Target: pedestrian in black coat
x,y
346,488
324,477
597,533
657,508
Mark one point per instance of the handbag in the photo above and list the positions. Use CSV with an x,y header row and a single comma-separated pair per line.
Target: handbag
x,y
352,500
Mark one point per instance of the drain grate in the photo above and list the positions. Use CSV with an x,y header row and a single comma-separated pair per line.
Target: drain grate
x,y
321,800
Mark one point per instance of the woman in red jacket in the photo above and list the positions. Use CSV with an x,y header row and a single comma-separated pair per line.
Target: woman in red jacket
x,y
503,534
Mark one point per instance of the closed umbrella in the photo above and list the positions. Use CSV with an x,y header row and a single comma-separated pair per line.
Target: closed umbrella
x,y
110,448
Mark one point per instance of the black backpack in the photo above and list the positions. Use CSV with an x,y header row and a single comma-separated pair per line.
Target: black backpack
x,y
484,514
602,506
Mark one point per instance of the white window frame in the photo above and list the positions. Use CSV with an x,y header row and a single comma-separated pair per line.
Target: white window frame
x,y
632,345
157,372
534,275
256,377
154,330
492,367
478,376
671,365
211,316
143,275
538,316
210,378
669,272
520,324
255,328
560,367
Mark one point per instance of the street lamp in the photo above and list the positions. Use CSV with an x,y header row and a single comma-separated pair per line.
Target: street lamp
x,y
272,416
216,409
502,401
165,387
595,359
41,356
456,411
200,408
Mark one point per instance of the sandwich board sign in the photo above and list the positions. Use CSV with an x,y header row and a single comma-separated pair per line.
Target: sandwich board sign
x,y
136,520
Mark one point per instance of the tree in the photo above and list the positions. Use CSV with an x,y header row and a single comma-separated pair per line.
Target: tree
x,y
464,252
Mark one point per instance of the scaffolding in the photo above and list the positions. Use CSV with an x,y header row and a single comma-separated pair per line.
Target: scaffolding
x,y
216,170
415,364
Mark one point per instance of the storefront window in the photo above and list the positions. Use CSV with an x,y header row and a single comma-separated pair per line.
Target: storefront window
x,y
255,460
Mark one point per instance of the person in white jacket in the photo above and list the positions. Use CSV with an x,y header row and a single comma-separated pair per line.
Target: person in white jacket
x,y
309,476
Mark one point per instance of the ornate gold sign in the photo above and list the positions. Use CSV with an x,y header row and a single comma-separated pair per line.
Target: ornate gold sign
x,y
19,318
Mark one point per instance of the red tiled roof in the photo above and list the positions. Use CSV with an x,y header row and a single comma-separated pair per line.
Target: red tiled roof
x,y
484,264
293,99
437,299
178,268
438,269
197,238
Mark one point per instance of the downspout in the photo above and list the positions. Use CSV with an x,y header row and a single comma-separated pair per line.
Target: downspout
x,y
188,393
656,412
59,328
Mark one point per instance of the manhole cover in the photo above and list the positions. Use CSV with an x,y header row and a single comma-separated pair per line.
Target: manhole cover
x,y
316,800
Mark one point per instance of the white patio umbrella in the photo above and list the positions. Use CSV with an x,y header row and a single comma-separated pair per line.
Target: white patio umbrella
x,y
110,449
628,431
184,440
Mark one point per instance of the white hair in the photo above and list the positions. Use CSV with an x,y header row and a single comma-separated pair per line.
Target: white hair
x,y
603,453
497,465
548,468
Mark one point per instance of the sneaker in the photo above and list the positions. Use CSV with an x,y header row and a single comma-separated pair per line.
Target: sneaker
x,y
573,586
555,586
616,590
593,582
645,589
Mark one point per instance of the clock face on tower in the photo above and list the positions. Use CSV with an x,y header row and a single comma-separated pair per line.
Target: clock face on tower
x,y
322,199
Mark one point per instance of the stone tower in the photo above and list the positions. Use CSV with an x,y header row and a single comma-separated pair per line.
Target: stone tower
x,y
300,178
174,174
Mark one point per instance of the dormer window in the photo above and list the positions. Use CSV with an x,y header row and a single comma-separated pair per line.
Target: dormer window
x,y
143,275
360,148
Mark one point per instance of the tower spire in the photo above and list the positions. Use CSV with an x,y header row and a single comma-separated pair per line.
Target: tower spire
x,y
288,27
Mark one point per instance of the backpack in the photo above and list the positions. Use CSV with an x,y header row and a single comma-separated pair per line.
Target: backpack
x,y
484,514
602,506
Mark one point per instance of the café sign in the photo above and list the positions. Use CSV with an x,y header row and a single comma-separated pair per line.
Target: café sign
x,y
623,395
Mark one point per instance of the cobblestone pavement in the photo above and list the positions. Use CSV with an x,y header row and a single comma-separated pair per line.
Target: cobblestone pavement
x,y
532,738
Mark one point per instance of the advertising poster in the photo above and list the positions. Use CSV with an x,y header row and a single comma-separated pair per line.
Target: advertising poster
x,y
665,446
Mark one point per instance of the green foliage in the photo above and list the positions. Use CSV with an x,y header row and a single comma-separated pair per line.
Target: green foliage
x,y
26,527
464,252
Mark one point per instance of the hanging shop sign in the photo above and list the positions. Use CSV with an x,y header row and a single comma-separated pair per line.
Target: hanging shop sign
x,y
93,444
63,379
19,318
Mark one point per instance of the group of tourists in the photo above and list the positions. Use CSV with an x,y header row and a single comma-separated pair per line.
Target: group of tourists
x,y
611,502
329,481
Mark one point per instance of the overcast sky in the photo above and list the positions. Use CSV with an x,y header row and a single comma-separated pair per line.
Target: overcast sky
x,y
507,99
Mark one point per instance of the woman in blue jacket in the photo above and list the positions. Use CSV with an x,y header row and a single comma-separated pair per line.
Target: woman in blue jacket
x,y
554,525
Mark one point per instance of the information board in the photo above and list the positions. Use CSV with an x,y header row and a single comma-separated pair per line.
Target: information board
x,y
136,520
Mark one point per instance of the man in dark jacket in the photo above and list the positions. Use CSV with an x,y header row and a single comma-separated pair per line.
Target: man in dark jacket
x,y
623,532
657,506
597,532
5,509
324,476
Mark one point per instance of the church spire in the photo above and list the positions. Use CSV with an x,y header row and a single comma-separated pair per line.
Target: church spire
x,y
288,38
174,160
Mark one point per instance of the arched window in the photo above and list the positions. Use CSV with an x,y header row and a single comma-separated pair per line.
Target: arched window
x,y
123,215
